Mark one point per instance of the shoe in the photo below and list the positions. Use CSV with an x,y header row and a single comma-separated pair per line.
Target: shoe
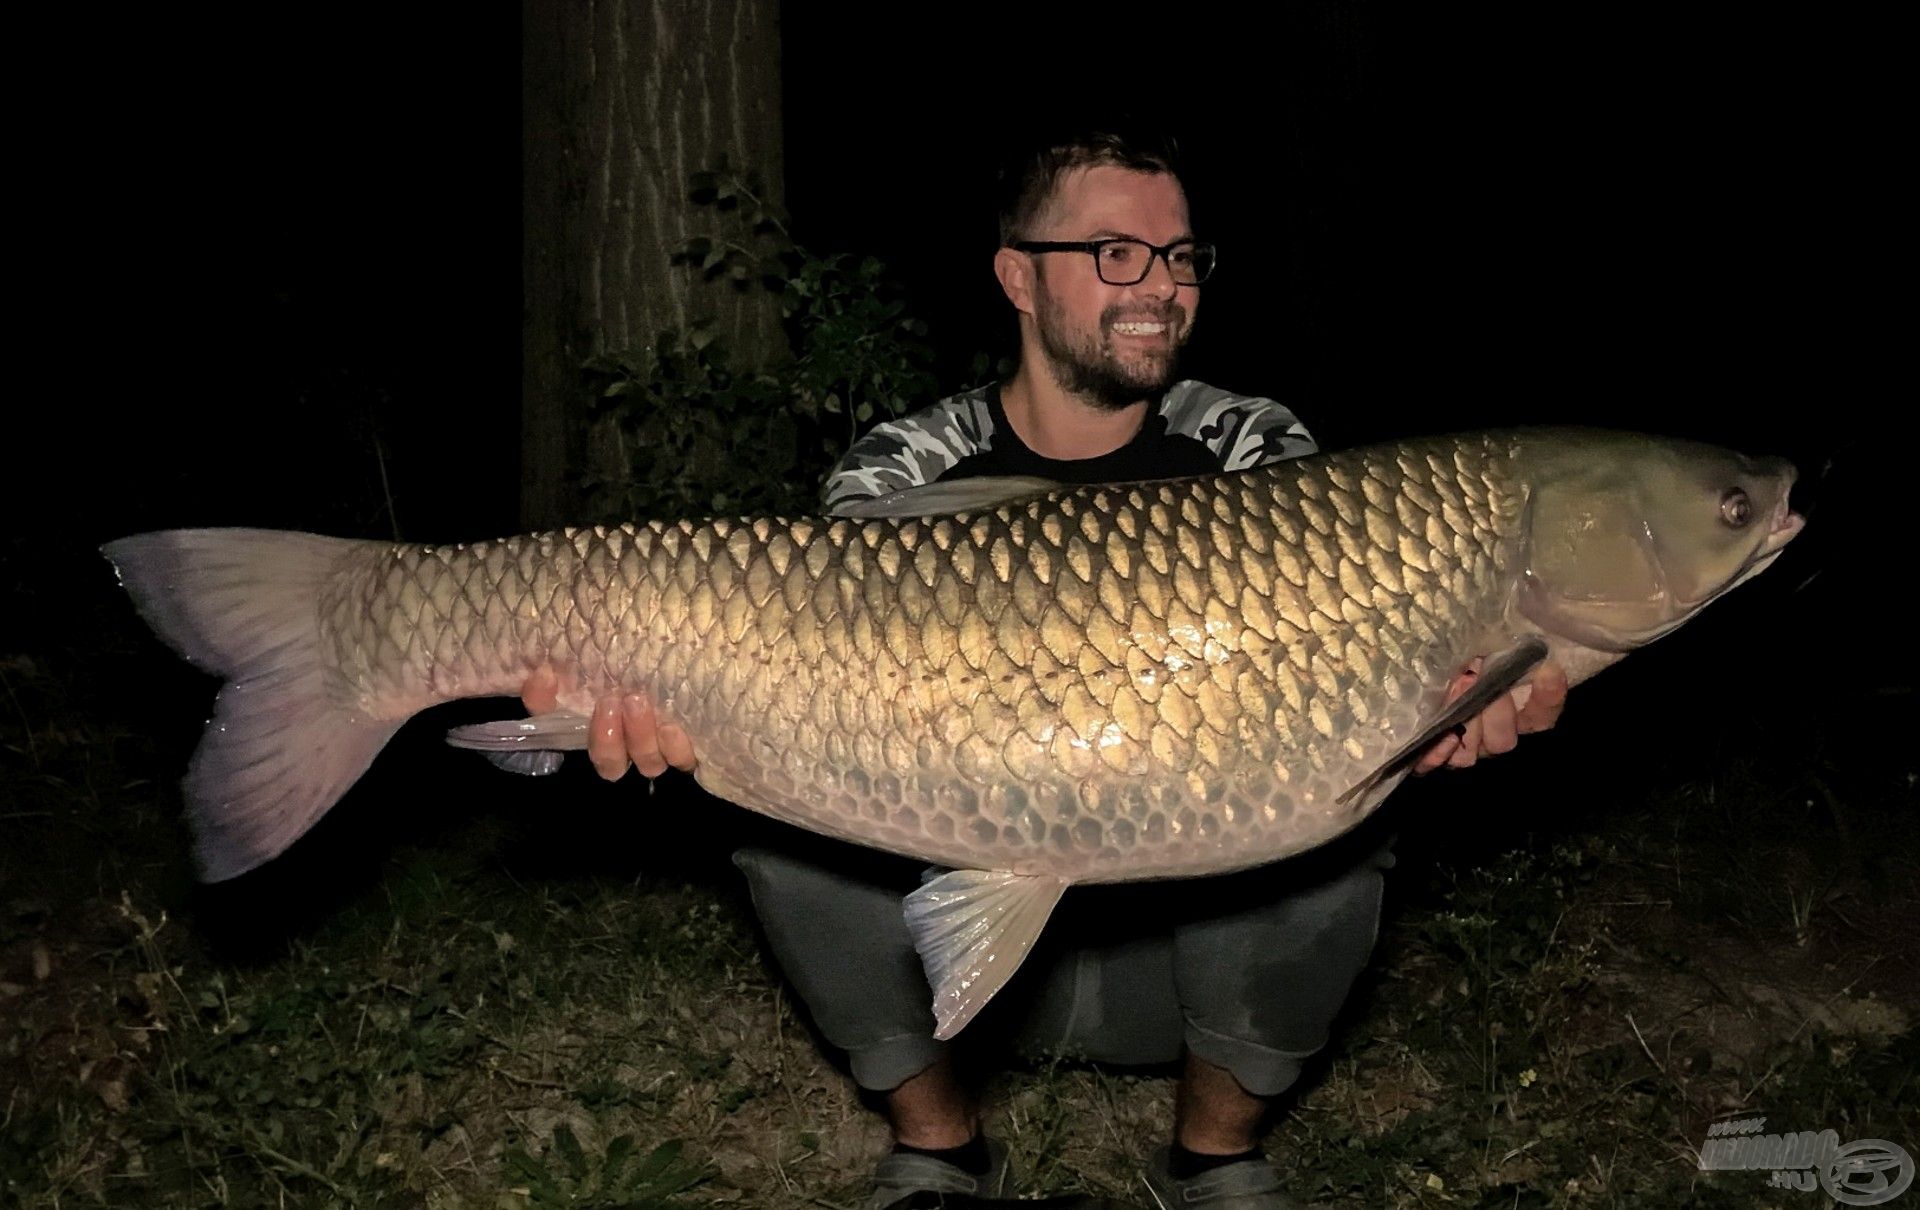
x,y
902,1177
1248,1185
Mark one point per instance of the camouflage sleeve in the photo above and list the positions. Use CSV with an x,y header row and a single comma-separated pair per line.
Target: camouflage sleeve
x,y
912,451
1241,430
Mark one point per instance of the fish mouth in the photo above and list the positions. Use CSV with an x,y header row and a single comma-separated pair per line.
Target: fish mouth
x,y
1787,525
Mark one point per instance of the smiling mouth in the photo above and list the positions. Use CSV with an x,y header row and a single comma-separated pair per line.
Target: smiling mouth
x,y
1141,327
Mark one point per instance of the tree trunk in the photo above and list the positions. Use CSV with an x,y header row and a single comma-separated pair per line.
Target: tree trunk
x,y
622,101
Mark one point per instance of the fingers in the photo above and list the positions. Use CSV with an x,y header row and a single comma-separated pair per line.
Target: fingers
x,y
643,735
1445,749
1534,706
1549,697
540,692
676,747
624,731
1439,754
1499,726
654,744
628,730
606,739
1468,753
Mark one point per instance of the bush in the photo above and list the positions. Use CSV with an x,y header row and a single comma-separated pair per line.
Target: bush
x,y
681,431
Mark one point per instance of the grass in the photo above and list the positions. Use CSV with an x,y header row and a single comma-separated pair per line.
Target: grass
x,y
475,991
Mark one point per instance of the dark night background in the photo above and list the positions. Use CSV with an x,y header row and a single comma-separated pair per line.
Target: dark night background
x,y
309,228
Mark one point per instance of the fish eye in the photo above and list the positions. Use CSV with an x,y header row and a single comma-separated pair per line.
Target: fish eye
x,y
1736,508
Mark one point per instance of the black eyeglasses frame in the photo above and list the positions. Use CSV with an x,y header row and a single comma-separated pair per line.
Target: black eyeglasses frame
x,y
1093,247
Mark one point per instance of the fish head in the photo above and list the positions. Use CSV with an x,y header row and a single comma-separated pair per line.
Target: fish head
x,y
1628,536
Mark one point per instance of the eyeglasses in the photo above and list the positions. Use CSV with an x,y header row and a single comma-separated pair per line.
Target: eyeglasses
x,y
1125,262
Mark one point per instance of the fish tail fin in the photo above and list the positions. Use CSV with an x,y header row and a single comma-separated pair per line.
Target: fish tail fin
x,y
281,747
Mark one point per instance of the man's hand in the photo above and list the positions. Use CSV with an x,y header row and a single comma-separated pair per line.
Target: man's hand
x,y
1533,706
626,729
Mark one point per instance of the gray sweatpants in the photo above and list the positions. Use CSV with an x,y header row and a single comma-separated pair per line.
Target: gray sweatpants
x,y
1248,970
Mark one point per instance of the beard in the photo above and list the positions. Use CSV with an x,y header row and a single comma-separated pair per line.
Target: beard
x,y
1085,365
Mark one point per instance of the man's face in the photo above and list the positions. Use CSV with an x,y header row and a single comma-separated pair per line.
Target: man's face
x,y
1112,345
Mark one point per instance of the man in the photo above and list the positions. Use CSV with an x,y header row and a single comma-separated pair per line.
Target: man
x,y
1101,265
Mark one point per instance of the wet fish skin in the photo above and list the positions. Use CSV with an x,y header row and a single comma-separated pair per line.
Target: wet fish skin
x,y
1095,684
1104,684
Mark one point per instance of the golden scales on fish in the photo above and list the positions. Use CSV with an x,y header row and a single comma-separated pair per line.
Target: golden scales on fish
x,y
1034,684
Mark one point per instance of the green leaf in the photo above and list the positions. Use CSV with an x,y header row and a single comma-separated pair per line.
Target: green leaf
x,y
619,1151
658,1161
570,1152
526,1168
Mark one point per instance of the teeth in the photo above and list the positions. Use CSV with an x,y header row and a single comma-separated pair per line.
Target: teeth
x,y
1140,329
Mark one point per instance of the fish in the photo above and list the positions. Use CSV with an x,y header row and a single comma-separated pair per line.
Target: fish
x,y
1030,684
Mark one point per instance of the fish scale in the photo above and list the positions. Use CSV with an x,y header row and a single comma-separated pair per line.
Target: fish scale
x,y
1244,644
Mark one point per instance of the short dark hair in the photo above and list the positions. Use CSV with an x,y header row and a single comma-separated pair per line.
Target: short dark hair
x,y
1029,177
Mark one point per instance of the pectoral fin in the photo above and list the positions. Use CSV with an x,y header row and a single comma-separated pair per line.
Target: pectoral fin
x,y
1503,670
973,928
533,746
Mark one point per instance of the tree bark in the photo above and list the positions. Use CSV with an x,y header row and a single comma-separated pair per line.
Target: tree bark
x,y
623,100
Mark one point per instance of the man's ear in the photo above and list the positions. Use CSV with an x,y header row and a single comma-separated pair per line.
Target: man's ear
x,y
1015,271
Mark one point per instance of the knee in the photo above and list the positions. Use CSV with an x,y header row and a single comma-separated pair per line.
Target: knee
x,y
1260,990
843,946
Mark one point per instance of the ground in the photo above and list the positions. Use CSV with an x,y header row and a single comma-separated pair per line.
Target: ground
x,y
1696,900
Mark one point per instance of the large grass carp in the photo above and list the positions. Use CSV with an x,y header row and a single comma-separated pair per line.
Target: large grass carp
x,y
1037,685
